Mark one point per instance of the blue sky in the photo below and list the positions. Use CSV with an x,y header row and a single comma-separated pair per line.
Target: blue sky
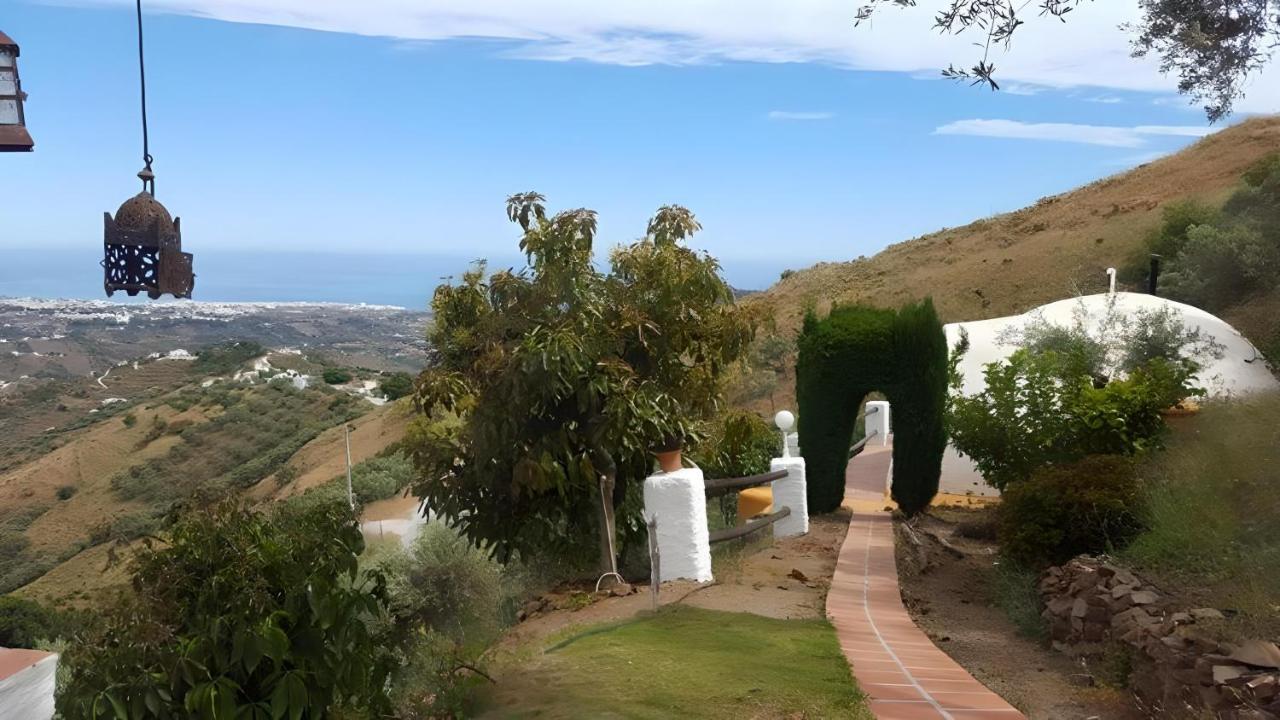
x,y
391,126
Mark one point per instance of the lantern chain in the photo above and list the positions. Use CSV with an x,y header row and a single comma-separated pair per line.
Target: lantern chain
x,y
146,175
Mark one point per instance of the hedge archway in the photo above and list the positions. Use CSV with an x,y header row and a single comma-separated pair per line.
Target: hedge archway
x,y
857,350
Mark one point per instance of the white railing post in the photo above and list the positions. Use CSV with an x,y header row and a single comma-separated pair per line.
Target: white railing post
x,y
877,421
678,500
790,492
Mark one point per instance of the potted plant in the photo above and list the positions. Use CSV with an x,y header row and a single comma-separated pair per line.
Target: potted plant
x,y
668,453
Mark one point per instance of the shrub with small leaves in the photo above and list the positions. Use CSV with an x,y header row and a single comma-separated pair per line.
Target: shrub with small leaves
x,y
1089,506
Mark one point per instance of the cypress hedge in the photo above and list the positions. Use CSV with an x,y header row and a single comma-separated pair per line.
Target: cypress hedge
x,y
854,351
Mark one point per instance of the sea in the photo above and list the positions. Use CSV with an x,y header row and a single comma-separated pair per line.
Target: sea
x,y
404,280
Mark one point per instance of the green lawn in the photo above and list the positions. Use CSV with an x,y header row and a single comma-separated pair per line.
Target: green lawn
x,y
686,662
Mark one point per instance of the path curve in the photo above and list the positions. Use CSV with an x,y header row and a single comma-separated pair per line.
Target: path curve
x,y
905,676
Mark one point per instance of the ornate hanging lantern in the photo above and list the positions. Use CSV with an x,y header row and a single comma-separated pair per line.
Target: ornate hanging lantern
x,y
13,123
142,244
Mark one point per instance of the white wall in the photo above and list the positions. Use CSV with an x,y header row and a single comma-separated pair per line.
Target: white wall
x,y
28,693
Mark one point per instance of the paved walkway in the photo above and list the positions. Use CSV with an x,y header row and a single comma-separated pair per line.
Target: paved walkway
x,y
905,676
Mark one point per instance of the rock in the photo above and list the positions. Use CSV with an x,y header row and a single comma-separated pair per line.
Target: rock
x,y
1094,632
1060,605
1121,590
621,589
1143,597
1079,608
1097,614
1258,653
1225,673
1180,618
1263,687
795,574
1206,614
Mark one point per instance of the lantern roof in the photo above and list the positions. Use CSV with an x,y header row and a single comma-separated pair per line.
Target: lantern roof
x,y
7,42
140,211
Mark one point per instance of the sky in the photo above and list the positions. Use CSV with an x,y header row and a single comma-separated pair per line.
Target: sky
x,y
398,127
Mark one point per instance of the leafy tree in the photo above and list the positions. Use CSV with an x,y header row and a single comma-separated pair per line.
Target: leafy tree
x,y
23,623
397,385
1211,45
242,615
336,376
549,386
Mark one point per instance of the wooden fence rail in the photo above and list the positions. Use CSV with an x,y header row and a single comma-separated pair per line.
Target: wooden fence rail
x,y
858,446
716,488
759,523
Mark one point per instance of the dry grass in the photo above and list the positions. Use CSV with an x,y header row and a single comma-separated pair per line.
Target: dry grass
x,y
1213,513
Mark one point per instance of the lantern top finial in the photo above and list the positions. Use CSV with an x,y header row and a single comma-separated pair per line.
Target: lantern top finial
x,y
140,211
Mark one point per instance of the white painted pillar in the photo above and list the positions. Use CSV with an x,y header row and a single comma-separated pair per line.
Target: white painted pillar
x,y
679,501
878,422
790,492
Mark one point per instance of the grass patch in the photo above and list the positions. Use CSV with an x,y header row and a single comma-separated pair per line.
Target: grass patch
x,y
1212,514
1013,589
690,662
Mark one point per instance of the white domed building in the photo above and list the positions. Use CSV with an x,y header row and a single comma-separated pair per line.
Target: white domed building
x,y
1240,370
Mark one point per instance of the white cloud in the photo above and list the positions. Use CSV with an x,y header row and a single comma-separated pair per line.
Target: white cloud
x,y
1105,99
792,115
1110,136
1088,50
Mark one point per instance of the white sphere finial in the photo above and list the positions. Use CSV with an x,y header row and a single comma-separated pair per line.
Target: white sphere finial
x,y
784,420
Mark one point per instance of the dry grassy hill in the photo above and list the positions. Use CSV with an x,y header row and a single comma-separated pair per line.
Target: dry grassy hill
x,y
1058,247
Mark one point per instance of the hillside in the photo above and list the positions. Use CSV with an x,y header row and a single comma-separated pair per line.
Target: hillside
x,y
230,420
1059,247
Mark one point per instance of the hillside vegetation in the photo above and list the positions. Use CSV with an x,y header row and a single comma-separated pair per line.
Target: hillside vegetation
x,y
233,420
1058,247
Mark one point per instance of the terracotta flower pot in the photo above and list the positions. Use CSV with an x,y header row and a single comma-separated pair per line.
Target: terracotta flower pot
x,y
669,454
669,461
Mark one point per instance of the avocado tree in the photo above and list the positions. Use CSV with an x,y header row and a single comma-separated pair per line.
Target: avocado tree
x,y
547,387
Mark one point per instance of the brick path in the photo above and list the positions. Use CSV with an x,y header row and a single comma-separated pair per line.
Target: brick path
x,y
905,676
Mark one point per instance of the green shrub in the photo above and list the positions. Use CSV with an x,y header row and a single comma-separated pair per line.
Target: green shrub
x,y
66,491
239,613
445,584
842,358
379,478
738,443
130,420
1089,506
226,357
1219,266
396,385
1034,412
23,623
336,376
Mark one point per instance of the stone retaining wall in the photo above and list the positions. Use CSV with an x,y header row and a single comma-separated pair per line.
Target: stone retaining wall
x,y
1095,608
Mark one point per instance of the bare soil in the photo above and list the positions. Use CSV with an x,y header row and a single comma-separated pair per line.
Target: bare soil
x,y
762,578
950,594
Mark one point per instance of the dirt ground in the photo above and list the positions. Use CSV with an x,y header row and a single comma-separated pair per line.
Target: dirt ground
x,y
759,578
950,595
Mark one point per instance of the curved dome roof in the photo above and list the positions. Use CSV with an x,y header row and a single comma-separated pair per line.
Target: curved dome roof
x,y
139,211
1240,370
